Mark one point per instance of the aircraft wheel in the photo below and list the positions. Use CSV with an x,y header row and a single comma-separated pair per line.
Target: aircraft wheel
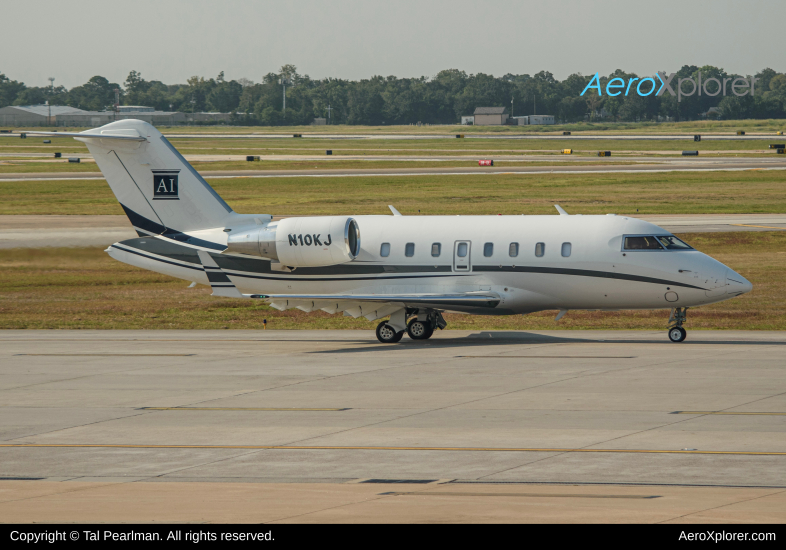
x,y
677,334
418,330
387,334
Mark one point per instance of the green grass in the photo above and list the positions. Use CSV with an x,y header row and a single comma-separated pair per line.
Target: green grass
x,y
421,147
85,289
750,191
687,127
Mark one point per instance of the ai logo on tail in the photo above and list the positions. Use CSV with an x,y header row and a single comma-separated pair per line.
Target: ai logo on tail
x,y
165,185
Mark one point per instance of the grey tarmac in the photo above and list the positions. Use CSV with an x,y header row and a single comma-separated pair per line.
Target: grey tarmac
x,y
329,425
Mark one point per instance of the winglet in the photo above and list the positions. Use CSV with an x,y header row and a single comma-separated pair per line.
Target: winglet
x,y
561,210
395,212
219,281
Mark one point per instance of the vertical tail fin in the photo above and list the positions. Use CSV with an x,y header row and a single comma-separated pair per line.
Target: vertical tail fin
x,y
158,189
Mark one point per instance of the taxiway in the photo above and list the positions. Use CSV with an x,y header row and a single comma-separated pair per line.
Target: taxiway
x,y
333,426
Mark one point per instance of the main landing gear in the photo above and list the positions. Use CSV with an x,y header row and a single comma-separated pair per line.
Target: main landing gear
x,y
678,316
387,334
420,327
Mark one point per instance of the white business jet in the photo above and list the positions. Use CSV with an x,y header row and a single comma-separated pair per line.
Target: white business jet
x,y
408,270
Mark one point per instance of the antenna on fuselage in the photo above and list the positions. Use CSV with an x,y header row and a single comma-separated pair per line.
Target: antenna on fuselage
x,y
561,210
395,212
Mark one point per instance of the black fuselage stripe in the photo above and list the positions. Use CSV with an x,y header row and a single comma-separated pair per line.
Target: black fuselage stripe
x,y
316,278
543,270
582,273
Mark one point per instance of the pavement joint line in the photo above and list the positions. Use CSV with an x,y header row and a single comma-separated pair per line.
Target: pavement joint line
x,y
106,354
387,448
546,357
732,413
587,449
720,506
320,378
620,483
241,409
525,495
437,361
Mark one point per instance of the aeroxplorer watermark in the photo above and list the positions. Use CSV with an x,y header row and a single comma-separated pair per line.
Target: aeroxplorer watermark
x,y
614,84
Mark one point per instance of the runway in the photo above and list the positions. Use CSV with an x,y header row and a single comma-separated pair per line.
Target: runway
x,y
713,165
40,231
333,426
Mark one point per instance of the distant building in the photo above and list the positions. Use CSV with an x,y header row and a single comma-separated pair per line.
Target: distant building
x,y
34,115
490,116
533,119
319,122
467,120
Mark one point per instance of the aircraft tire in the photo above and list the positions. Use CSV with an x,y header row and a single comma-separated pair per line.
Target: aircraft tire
x,y
418,330
387,334
677,334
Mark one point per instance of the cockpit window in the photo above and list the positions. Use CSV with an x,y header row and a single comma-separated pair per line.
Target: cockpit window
x,y
673,243
642,243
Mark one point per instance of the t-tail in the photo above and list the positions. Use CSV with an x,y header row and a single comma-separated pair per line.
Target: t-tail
x,y
159,190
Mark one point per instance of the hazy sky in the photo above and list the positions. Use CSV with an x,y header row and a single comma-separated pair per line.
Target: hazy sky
x,y
171,40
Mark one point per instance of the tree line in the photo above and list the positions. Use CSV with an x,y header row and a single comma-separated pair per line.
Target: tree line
x,y
441,99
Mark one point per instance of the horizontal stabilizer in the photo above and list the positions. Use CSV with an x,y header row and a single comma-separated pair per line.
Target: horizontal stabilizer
x,y
219,281
85,135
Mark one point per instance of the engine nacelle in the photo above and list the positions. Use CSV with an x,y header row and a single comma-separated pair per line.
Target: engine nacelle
x,y
301,242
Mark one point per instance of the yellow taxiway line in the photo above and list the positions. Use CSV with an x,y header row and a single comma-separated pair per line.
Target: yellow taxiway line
x,y
381,448
762,226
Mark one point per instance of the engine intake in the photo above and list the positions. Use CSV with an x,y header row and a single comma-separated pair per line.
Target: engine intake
x,y
301,242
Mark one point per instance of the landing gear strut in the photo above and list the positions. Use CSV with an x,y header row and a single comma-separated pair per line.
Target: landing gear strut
x,y
678,316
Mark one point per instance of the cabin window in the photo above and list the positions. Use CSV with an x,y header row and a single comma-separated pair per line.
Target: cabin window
x,y
409,250
461,251
642,243
566,250
436,249
540,249
513,250
384,250
488,250
673,243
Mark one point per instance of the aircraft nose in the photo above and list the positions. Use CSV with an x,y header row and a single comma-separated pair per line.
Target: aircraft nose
x,y
736,284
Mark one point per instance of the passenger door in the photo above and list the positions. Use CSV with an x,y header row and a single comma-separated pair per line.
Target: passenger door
x,y
461,256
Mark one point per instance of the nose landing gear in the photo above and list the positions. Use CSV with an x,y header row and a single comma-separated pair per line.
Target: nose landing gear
x,y
678,316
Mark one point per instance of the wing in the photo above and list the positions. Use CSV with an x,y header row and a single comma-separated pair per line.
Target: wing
x,y
465,299
370,306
